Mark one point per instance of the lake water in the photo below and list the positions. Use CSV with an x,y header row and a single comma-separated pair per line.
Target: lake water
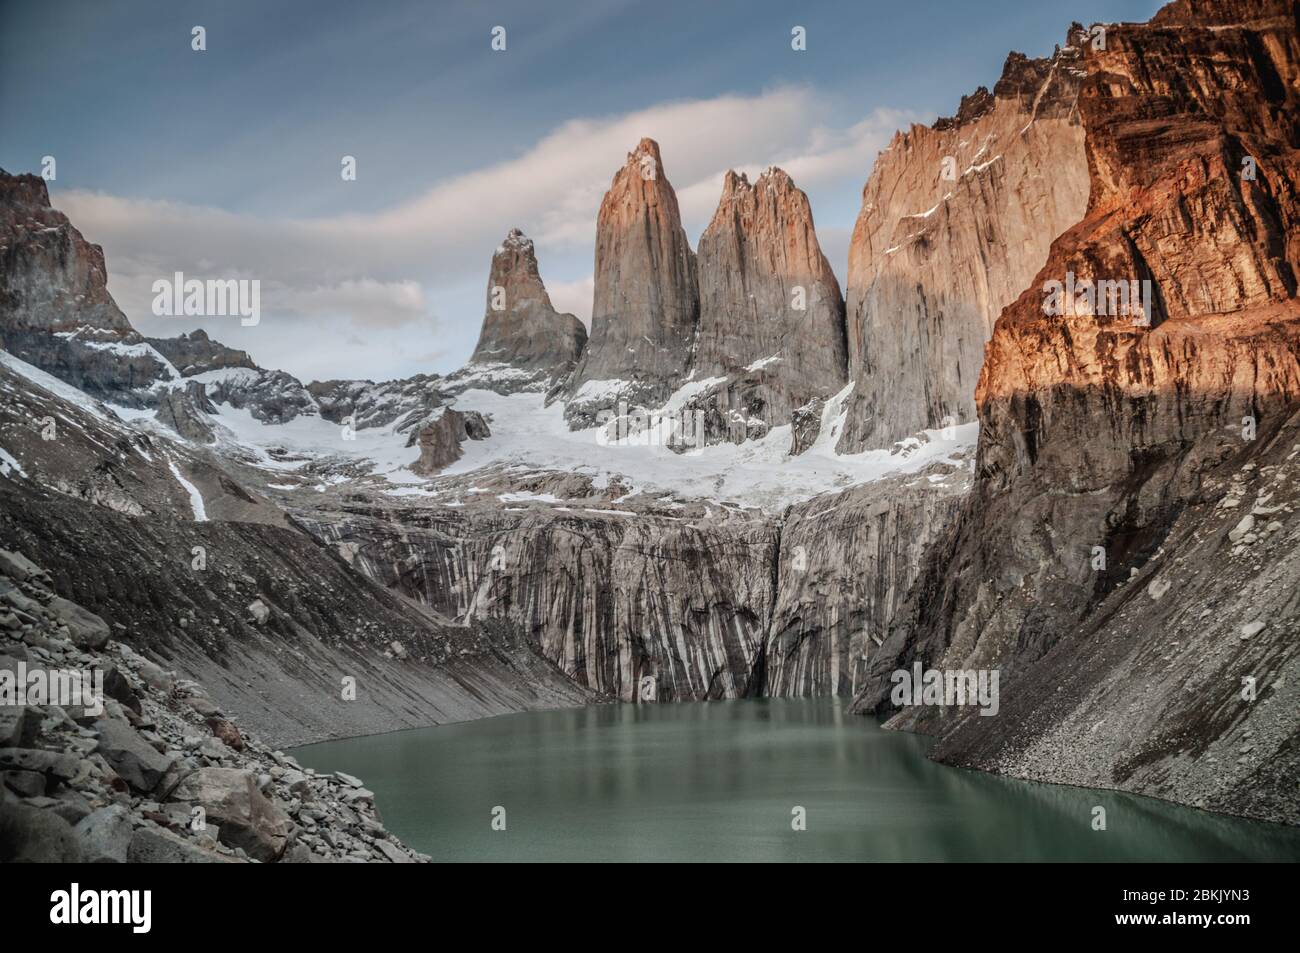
x,y
719,781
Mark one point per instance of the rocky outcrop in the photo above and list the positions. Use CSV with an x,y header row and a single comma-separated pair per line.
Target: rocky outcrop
x,y
646,301
521,329
55,309
195,353
364,404
273,397
186,411
956,219
440,440
1104,562
51,278
771,315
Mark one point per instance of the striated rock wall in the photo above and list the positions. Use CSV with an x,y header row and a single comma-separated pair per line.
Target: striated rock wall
x,y
706,603
956,219
847,563
611,598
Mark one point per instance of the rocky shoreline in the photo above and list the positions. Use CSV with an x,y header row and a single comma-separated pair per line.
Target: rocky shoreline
x,y
160,774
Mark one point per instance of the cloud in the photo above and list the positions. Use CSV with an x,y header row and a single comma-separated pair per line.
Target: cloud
x,y
394,268
573,297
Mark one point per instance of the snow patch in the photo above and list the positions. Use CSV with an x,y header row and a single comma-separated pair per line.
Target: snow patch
x,y
196,498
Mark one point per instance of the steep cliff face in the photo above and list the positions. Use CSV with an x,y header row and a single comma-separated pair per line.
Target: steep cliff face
x,y
520,327
55,309
1112,439
771,314
847,563
956,219
612,598
52,278
646,301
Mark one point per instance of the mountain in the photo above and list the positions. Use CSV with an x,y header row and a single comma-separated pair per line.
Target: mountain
x,y
771,331
956,219
520,327
646,302
1128,553
1119,546
55,309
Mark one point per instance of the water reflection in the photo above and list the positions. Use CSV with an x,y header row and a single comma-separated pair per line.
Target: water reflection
x,y
718,781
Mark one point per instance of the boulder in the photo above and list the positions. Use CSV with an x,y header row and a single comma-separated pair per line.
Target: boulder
x,y
231,798
30,835
134,759
105,835
88,630
155,845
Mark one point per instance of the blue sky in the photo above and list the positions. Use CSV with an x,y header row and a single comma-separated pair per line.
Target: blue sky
x,y
226,162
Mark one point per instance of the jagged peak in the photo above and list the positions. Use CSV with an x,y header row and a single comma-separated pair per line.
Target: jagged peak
x,y
24,188
647,147
1022,77
515,241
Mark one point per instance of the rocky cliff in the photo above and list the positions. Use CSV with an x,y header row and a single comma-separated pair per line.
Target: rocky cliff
x,y
771,329
956,219
612,598
1124,554
55,309
847,562
646,301
520,327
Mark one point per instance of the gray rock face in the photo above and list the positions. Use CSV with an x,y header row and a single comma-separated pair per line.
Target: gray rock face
x,y
154,845
956,220
87,630
105,835
848,562
646,301
636,606
32,836
440,440
195,353
231,799
521,329
186,412
135,760
771,313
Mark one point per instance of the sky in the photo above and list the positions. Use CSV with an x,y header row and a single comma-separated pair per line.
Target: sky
x,y
226,162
